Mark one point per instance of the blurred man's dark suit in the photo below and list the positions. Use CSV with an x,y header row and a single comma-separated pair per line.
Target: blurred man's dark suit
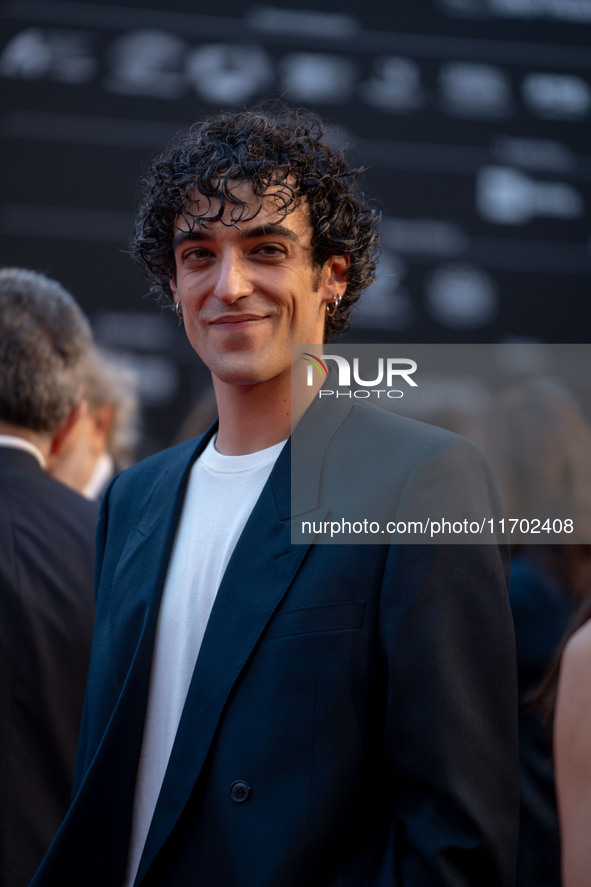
x,y
46,617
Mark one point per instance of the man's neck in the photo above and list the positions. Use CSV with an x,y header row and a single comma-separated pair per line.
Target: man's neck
x,y
254,417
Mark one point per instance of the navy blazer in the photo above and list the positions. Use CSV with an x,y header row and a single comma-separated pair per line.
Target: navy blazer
x,y
46,615
351,719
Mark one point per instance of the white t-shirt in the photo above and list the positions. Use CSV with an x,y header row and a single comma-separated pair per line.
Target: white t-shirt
x,y
221,493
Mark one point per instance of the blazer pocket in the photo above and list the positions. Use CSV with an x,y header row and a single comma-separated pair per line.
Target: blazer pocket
x,y
341,616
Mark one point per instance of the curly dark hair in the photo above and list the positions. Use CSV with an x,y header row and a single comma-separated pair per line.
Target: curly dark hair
x,y
269,147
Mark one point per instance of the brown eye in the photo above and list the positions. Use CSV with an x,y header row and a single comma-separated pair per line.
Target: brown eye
x,y
270,250
198,254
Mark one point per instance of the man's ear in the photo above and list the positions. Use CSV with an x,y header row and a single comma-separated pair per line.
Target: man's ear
x,y
337,269
67,425
102,418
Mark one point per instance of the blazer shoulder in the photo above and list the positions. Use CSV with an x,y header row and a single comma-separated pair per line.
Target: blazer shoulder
x,y
433,471
411,439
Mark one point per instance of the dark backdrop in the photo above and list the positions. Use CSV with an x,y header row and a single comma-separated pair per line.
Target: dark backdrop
x,y
473,117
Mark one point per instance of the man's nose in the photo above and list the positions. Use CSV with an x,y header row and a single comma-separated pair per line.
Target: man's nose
x,y
233,281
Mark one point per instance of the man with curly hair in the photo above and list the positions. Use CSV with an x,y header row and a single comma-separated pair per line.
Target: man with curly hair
x,y
260,713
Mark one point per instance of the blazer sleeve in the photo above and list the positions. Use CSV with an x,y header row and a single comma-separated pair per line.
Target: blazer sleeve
x,y
451,709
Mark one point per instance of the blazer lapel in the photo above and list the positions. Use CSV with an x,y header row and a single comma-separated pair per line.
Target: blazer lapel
x,y
134,613
149,545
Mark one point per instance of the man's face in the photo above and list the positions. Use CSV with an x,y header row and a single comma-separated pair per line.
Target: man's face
x,y
248,291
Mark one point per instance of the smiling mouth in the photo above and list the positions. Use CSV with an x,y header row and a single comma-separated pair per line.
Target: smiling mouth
x,y
237,319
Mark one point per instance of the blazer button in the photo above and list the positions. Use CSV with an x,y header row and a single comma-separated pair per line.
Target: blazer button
x,y
239,791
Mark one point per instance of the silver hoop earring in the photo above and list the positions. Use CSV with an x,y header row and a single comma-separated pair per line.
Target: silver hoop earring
x,y
178,308
332,307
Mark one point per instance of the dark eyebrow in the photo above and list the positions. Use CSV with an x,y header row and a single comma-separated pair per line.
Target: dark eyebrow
x,y
271,230
195,234
198,234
